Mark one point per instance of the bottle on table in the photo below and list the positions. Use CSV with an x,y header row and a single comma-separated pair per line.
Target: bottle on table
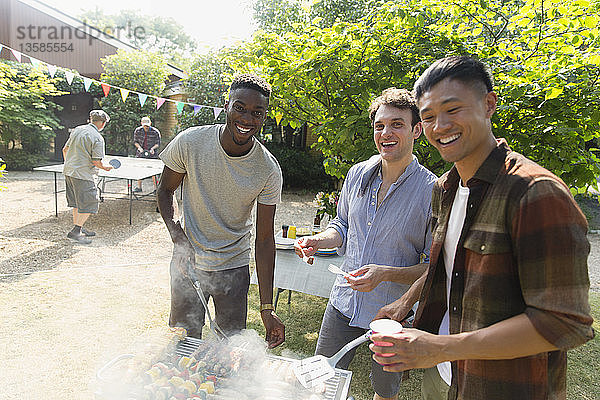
x,y
316,224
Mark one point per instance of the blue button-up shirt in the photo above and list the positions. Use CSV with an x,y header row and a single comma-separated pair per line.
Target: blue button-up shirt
x,y
397,233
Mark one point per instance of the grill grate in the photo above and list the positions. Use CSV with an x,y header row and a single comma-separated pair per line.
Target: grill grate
x,y
336,388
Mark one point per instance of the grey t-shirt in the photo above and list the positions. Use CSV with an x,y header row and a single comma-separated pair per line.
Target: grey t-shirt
x,y
85,144
219,193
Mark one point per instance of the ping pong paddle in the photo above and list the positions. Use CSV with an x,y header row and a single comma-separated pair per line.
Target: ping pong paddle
x,y
115,163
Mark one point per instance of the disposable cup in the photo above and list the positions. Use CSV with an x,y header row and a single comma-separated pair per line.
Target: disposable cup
x,y
388,327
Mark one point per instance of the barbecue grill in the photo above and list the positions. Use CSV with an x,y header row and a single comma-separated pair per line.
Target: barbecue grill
x,y
336,388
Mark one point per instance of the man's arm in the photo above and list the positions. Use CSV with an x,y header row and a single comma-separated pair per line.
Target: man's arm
x,y
399,309
264,253
169,182
508,339
308,245
64,151
369,276
98,164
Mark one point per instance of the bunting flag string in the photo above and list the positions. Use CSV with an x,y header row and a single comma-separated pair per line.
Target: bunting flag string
x,y
87,82
16,53
52,70
34,61
124,94
105,88
142,98
69,75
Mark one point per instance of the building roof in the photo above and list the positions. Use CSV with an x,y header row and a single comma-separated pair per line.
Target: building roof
x,y
115,42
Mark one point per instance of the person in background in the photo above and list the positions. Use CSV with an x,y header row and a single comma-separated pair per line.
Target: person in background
x,y
506,292
382,228
83,153
146,140
226,172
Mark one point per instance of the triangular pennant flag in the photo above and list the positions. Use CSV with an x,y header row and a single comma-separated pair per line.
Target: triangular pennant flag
x,y
142,98
159,102
16,54
196,109
86,83
124,94
52,70
278,118
179,106
105,88
69,75
35,62
217,111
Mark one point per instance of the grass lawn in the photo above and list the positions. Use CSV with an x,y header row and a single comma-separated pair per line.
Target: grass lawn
x,y
303,319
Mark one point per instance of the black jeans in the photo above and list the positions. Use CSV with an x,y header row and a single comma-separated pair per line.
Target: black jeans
x,y
228,289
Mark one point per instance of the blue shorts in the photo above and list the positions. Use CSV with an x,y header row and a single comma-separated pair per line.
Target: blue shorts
x,y
335,333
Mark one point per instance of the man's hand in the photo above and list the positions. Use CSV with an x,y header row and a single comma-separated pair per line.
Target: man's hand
x,y
151,151
183,248
274,327
107,167
397,310
306,246
412,348
367,277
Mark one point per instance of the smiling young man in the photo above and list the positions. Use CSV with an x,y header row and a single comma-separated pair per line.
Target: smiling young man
x,y
506,292
225,171
382,229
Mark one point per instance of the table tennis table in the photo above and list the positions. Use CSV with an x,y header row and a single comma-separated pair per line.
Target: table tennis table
x,y
131,169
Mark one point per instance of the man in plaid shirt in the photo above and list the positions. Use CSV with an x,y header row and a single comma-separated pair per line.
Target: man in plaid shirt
x,y
506,292
146,140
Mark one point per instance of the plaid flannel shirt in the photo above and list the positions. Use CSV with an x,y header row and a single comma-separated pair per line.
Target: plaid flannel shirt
x,y
152,138
523,249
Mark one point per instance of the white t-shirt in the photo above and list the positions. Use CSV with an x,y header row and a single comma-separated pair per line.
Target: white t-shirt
x,y
219,193
456,220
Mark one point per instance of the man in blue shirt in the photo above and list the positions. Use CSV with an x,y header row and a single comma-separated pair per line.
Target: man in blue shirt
x,y
382,229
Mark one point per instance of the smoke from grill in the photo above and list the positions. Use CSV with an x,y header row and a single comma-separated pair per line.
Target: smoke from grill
x,y
238,368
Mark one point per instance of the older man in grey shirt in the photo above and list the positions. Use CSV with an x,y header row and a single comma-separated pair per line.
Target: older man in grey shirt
x,y
383,230
83,153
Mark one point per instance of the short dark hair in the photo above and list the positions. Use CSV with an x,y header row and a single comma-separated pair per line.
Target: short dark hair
x,y
463,68
251,82
399,98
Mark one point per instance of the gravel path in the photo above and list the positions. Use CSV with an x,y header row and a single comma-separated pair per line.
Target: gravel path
x,y
87,304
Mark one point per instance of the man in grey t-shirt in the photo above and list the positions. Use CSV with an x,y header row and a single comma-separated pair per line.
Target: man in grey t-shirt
x,y
224,171
83,153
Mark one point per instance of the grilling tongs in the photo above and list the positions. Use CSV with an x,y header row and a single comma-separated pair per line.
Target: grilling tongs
x,y
215,329
313,370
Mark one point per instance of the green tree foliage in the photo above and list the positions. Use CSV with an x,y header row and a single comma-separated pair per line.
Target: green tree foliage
x,y
328,76
205,85
544,56
546,60
152,33
142,72
26,113
288,15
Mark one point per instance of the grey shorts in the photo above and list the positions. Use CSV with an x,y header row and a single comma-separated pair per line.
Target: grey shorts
x,y
335,333
82,195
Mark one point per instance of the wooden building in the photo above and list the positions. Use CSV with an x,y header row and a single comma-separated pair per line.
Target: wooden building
x,y
49,35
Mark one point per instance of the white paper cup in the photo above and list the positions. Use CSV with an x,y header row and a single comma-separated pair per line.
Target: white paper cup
x,y
388,327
